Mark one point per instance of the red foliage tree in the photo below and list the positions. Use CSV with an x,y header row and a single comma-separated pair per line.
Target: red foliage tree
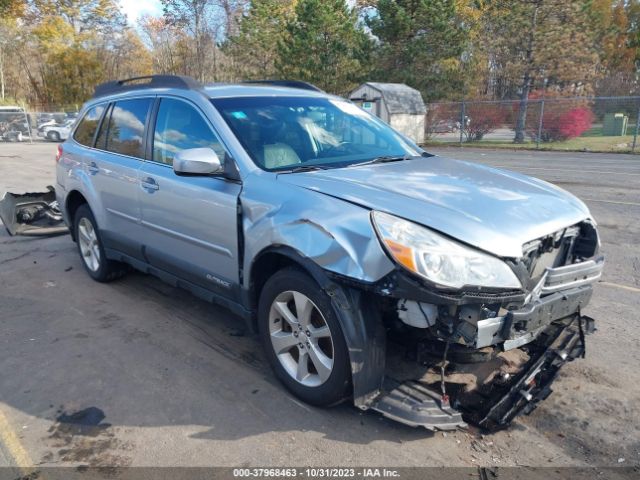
x,y
575,122
483,118
563,118
558,126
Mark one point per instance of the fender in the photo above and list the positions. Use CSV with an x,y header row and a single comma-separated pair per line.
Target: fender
x,y
336,235
361,325
79,181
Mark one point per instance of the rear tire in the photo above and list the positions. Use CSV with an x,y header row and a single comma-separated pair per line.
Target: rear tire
x,y
90,247
53,136
302,338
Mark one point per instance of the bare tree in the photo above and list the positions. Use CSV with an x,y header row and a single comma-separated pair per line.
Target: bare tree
x,y
163,39
191,15
233,11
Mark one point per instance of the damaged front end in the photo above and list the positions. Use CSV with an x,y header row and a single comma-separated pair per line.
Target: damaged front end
x,y
485,355
32,214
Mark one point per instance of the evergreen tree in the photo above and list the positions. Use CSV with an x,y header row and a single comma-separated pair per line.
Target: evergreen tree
x,y
255,48
422,43
324,45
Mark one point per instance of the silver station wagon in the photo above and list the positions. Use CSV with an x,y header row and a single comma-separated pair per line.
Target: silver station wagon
x,y
435,291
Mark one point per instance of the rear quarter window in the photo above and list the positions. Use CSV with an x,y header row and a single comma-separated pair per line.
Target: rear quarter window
x,y
88,125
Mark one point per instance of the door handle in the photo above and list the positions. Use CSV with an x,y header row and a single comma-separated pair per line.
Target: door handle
x,y
150,185
93,168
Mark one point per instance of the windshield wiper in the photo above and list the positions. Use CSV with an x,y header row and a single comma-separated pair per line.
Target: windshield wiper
x,y
304,168
383,159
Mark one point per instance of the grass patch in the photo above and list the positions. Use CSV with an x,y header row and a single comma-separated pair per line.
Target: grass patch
x,y
580,144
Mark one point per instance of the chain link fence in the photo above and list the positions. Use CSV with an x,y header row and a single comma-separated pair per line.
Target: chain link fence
x,y
20,126
597,124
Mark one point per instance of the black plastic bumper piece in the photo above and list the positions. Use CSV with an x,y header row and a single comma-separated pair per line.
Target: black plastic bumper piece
x,y
419,405
566,343
416,405
31,214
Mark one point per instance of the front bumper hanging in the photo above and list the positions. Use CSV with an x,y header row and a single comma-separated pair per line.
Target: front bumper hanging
x,y
565,342
416,403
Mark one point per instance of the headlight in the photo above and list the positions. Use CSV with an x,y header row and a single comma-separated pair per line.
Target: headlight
x,y
438,259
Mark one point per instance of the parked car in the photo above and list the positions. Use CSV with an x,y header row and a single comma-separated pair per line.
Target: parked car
x,y
43,125
47,118
445,126
10,109
14,126
44,117
9,134
335,237
56,132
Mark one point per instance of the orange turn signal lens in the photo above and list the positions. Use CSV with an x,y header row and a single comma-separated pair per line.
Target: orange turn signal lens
x,y
402,254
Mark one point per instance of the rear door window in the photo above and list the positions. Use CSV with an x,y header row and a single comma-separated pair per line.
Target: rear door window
x,y
125,130
87,127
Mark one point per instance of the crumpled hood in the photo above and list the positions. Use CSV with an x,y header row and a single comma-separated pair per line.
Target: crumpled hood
x,y
492,209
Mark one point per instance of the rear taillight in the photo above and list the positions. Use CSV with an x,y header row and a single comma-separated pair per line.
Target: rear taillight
x,y
59,153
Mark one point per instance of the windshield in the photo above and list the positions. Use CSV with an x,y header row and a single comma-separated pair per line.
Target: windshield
x,y
285,133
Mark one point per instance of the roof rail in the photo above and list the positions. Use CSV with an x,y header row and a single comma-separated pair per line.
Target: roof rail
x,y
149,81
286,83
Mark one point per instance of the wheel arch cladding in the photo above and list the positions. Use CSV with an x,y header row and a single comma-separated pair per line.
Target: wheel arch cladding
x,y
360,321
267,263
81,183
74,199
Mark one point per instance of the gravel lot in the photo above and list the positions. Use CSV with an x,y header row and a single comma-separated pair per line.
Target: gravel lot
x,y
178,385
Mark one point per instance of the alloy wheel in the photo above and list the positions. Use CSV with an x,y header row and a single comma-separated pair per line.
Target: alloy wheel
x,y
88,241
301,338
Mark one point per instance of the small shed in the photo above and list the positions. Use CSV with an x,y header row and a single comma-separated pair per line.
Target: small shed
x,y
397,104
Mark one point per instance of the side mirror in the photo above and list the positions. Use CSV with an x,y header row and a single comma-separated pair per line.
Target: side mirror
x,y
197,161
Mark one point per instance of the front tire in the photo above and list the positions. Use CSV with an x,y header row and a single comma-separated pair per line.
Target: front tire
x,y
53,136
302,338
91,250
